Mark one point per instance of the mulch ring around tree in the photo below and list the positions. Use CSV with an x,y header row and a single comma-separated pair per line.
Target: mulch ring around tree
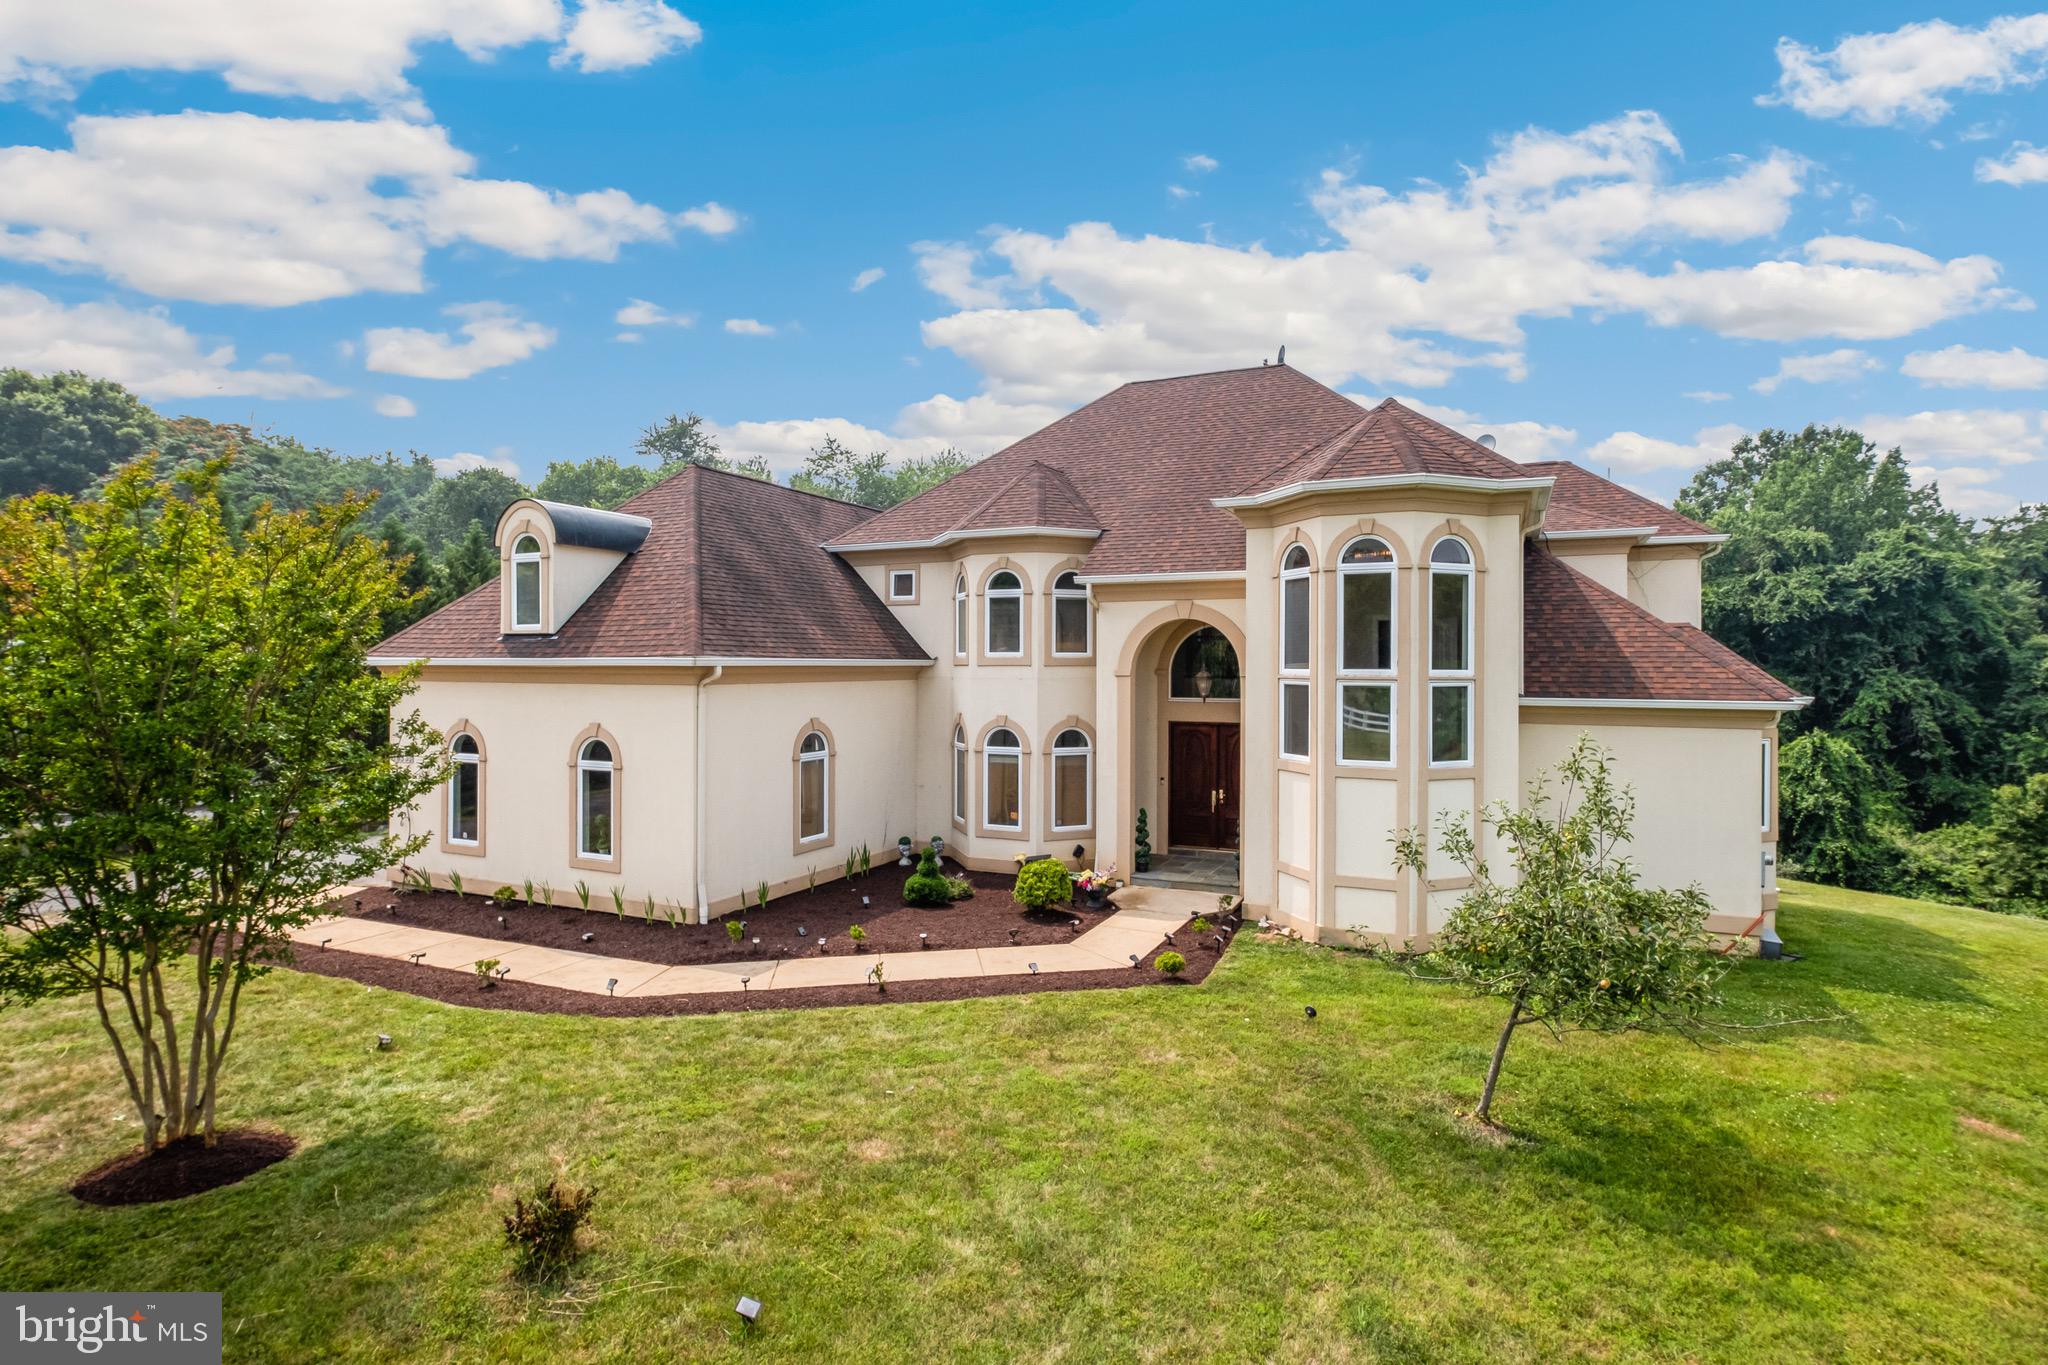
x,y
800,924
462,987
186,1166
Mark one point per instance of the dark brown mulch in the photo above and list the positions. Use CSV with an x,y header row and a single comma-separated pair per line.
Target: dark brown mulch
x,y
985,920
460,988
186,1166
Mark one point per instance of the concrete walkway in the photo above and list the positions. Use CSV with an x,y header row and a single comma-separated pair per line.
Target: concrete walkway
x,y
1144,915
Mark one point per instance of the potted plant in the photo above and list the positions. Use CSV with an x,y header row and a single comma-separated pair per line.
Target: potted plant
x,y
1094,885
938,846
1141,847
903,850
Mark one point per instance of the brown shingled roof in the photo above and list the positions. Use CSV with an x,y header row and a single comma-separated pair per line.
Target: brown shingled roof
x,y
1149,456
1390,439
1040,496
1580,640
731,569
1583,501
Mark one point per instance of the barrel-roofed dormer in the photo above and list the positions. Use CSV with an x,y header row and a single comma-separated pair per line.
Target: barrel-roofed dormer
x,y
553,556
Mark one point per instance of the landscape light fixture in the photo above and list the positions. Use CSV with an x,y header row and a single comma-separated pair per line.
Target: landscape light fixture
x,y
748,1309
504,972
743,982
501,921
590,938
802,932
1169,936
1033,966
417,956
1134,960
921,941
1080,850
1013,937
359,905
383,1042
1308,1011
863,902
325,941
757,943
611,986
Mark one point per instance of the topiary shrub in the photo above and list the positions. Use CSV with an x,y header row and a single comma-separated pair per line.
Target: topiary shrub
x,y
927,887
1043,884
542,1230
1173,964
504,896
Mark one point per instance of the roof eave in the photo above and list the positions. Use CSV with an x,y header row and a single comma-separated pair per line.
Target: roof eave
x,y
641,661
979,533
1672,703
1370,483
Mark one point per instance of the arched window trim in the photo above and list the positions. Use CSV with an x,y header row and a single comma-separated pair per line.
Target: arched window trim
x,y
457,733
1448,680
1297,565
1062,593
578,856
521,582
1057,748
988,750
960,631
1173,669
814,748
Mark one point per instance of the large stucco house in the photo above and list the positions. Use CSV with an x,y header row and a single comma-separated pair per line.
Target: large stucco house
x,y
1278,622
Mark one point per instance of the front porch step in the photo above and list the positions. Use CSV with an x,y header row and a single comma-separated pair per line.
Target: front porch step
x,y
1192,870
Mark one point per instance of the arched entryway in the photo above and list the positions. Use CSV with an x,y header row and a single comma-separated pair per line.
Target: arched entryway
x,y
1183,749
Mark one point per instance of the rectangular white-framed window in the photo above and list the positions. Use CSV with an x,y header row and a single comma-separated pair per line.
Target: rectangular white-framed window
x,y
1003,782
1765,811
1450,724
1072,799
1070,623
1294,720
1003,608
960,625
902,585
959,775
1365,724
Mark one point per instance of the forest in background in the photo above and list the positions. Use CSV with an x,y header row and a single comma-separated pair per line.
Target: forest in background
x,y
1921,765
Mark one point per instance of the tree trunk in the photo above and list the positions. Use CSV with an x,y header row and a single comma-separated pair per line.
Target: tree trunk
x,y
1500,1052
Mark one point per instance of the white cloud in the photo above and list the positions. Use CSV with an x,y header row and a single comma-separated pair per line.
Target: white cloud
x,y
462,461
630,338
1826,368
1967,435
1523,440
355,51
1908,73
234,208
1706,395
1421,283
1963,488
395,405
609,35
1181,192
1200,163
1633,450
492,334
871,275
2022,164
748,327
641,313
712,218
142,349
1960,367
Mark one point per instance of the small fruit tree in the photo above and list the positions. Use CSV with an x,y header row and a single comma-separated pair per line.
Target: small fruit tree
x,y
1042,884
1575,940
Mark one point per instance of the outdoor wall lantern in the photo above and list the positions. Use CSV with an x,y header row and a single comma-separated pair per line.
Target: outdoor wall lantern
x,y
1203,682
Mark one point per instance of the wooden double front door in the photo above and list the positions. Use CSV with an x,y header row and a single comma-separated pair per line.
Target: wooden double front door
x,y
1202,782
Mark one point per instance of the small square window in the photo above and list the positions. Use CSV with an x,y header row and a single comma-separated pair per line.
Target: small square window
x,y
902,585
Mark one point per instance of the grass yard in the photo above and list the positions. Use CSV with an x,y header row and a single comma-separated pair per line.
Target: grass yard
x,y
1105,1175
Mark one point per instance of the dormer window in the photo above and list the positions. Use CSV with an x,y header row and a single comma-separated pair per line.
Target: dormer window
x,y
526,583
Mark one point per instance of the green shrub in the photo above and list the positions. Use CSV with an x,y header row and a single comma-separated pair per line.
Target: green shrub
x,y
1173,964
484,970
1830,807
504,896
735,928
926,887
959,888
455,882
1199,926
857,934
1042,884
542,1230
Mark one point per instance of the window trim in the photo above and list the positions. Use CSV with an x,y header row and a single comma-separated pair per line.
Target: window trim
x,y
1292,679
1054,753
890,575
1390,570
537,557
963,626
1468,571
468,848
1078,593
827,757
989,596
1022,753
1393,721
1469,687
1174,655
580,856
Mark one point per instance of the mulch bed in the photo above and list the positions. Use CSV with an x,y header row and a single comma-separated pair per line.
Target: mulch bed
x,y
187,1166
988,919
461,988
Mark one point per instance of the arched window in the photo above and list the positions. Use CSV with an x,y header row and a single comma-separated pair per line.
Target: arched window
x,y
1204,668
1002,780
1004,614
1072,785
960,615
526,581
1070,627
959,775
1450,652
1365,648
466,792
597,805
1294,653
813,788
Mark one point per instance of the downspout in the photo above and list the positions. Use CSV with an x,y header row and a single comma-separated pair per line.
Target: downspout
x,y
703,886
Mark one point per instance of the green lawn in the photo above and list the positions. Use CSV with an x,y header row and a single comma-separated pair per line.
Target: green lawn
x,y
1160,1174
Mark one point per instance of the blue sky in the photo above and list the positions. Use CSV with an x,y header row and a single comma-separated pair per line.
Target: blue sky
x,y
521,230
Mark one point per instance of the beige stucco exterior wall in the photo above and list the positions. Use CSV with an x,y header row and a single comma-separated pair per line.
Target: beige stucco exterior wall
x,y
1698,779
1606,562
1665,580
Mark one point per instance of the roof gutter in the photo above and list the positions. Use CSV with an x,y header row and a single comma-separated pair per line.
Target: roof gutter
x,y
1193,576
1465,482
949,537
1661,704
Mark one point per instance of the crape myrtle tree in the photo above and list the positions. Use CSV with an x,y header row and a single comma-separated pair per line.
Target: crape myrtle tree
x,y
192,750
1573,939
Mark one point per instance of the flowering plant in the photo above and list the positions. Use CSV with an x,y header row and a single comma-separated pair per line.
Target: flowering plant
x,y
1091,878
